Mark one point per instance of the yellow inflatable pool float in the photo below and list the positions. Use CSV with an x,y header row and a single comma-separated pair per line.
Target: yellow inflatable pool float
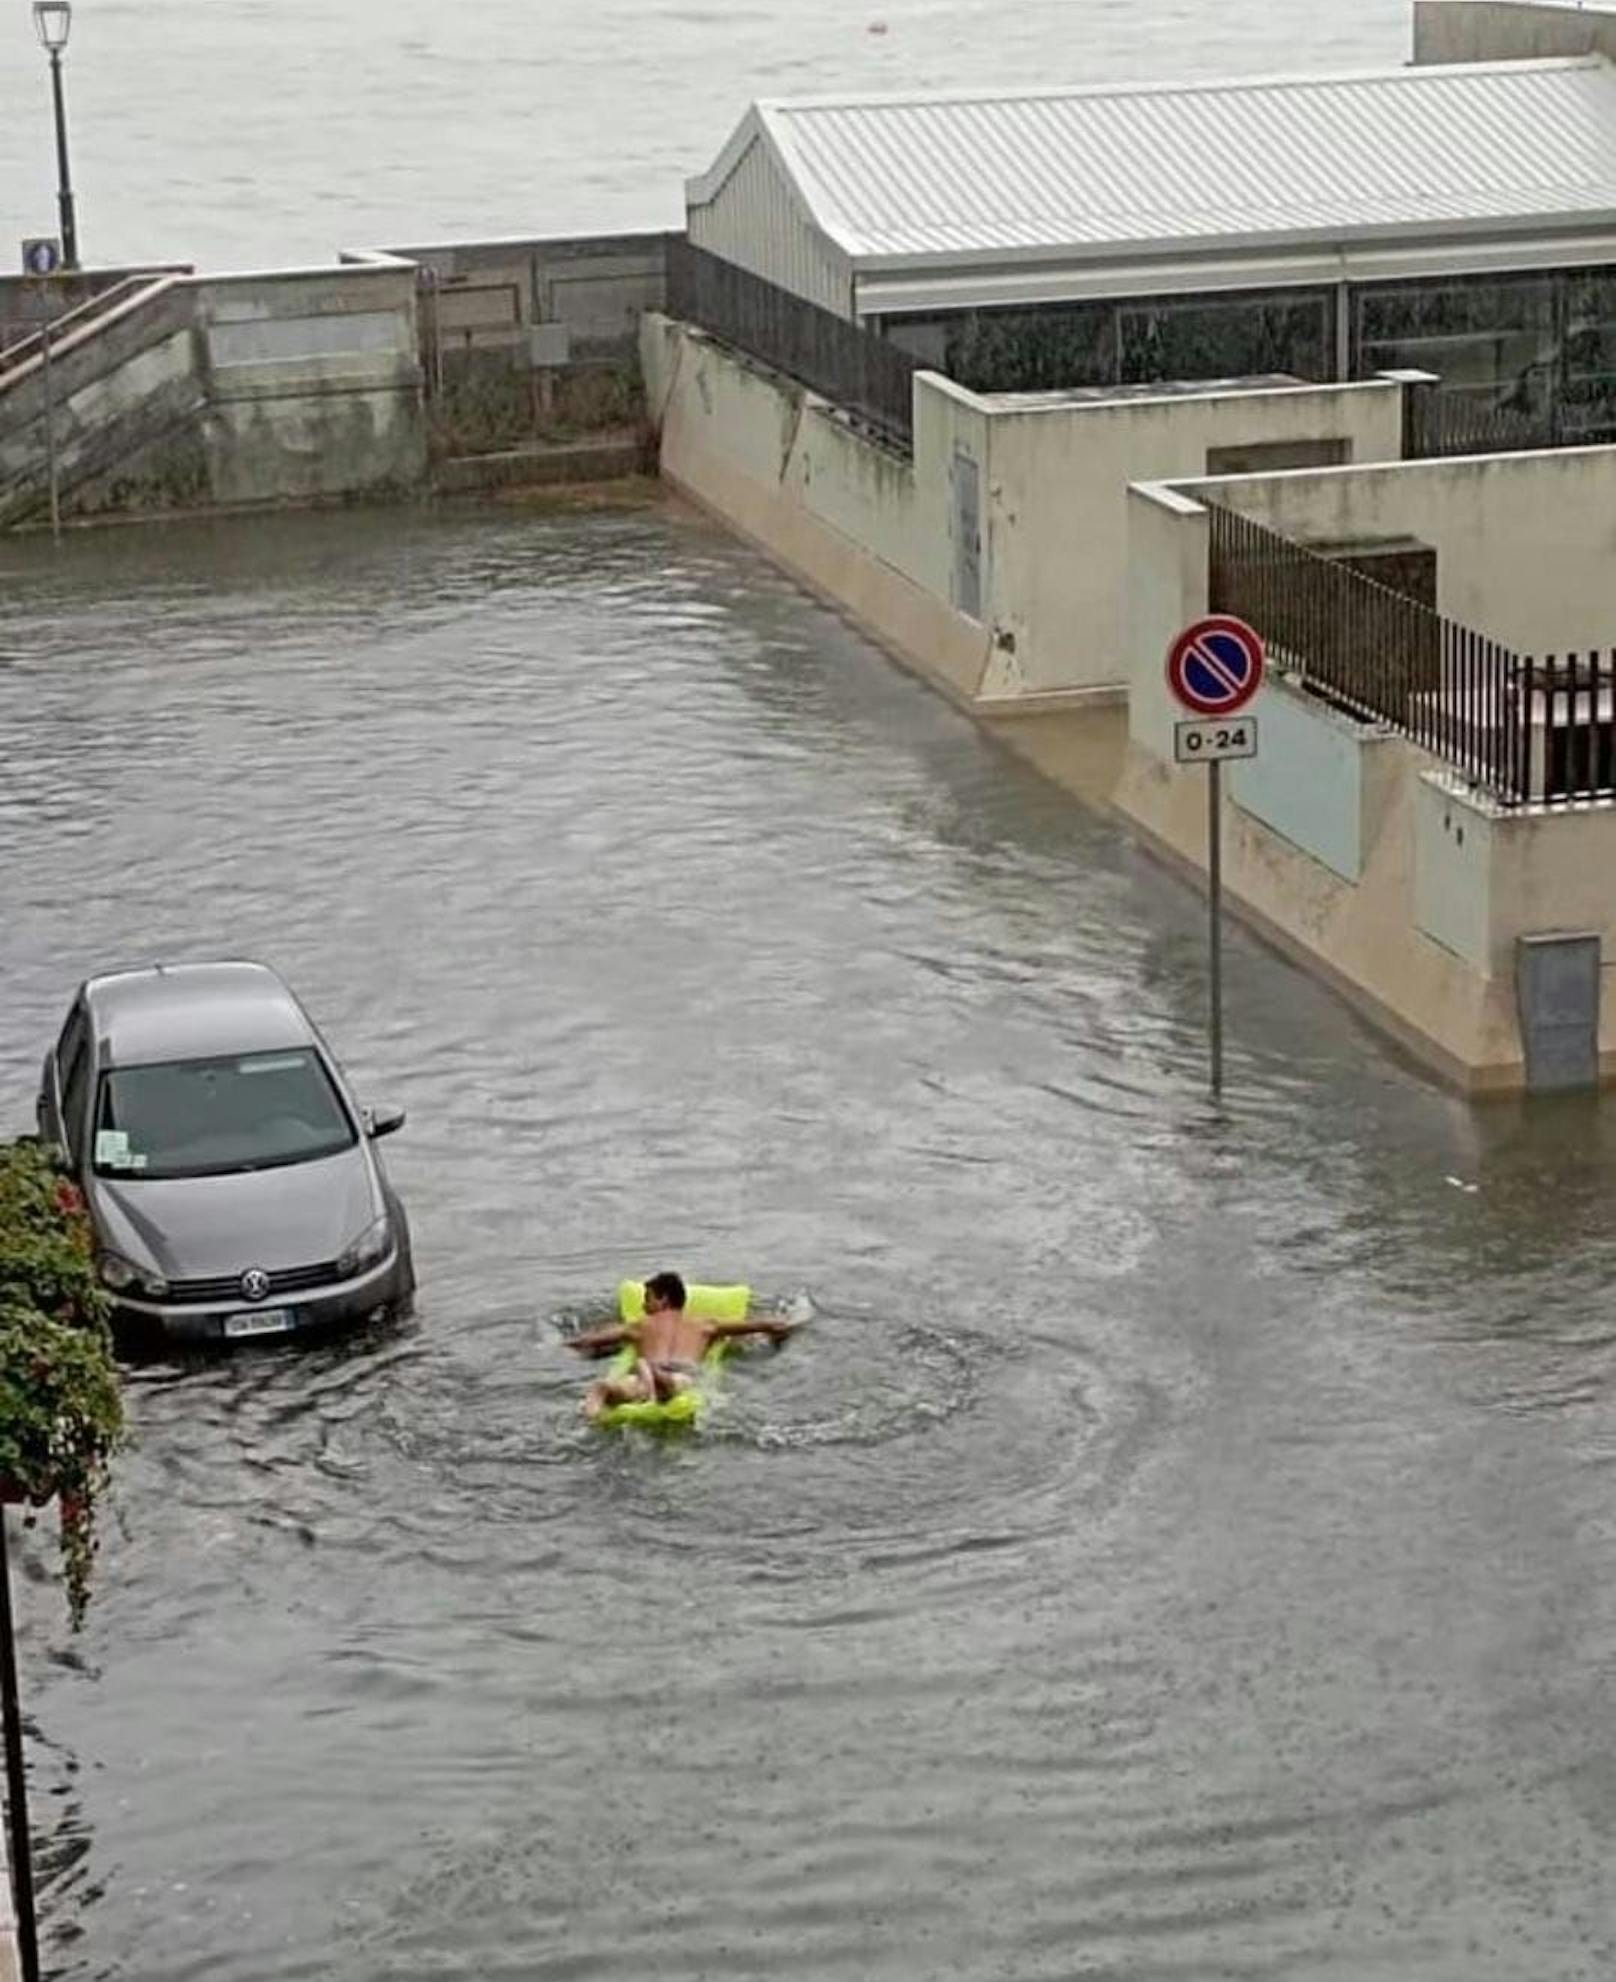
x,y
701,1304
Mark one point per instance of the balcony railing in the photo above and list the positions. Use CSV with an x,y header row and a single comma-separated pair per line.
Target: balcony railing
x,y
1522,729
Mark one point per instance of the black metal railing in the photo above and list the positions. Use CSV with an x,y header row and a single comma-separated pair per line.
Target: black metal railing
x,y
870,378
1521,729
1568,704
1451,420
1446,421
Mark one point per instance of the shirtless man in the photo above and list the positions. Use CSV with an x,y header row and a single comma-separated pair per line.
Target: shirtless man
x,y
671,1345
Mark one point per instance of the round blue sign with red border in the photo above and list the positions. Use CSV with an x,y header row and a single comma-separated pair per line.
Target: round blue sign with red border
x,y
1216,666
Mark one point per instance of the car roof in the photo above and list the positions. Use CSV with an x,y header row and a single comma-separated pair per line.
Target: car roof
x,y
192,1011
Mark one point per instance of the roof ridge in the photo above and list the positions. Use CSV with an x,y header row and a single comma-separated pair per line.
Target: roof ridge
x,y
1433,154
770,107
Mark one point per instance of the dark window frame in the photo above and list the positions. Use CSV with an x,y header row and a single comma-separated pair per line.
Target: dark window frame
x,y
73,1065
1082,345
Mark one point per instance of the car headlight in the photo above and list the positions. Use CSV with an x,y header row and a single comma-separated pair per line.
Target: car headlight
x,y
372,1244
118,1274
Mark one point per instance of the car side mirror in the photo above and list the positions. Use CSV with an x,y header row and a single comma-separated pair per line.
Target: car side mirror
x,y
381,1122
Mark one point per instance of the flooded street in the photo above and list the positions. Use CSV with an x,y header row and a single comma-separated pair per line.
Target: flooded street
x,y
1182,1544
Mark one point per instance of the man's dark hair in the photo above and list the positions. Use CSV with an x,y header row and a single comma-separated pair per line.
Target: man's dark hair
x,y
666,1287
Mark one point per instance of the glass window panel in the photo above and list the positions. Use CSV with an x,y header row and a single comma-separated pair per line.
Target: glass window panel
x,y
1040,350
1492,338
925,338
206,1118
1241,336
1591,296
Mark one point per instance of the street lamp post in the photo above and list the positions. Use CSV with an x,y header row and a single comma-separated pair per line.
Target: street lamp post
x,y
54,20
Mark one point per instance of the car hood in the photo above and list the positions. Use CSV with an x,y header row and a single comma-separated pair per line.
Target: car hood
x,y
197,1228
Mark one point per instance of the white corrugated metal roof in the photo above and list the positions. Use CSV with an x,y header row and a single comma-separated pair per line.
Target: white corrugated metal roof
x,y
909,181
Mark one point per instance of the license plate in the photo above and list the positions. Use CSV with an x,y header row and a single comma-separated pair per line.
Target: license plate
x,y
261,1321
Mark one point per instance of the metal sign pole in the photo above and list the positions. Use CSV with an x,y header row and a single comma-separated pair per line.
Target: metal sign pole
x,y
1214,868
22,1857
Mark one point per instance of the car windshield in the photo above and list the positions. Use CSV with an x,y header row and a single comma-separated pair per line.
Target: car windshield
x,y
207,1118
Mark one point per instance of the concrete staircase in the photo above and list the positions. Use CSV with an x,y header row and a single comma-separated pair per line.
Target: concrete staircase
x,y
115,398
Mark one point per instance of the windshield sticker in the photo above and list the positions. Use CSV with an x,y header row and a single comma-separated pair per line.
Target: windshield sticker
x,y
279,1063
112,1151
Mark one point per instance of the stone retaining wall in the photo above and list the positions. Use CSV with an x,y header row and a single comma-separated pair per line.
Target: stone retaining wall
x,y
1508,31
293,387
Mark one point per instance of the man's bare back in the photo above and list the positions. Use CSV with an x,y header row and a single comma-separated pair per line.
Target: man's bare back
x,y
670,1344
670,1335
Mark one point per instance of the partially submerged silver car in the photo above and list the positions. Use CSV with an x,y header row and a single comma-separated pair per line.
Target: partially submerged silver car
x,y
231,1179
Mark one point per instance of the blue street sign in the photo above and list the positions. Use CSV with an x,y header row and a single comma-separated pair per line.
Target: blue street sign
x,y
41,256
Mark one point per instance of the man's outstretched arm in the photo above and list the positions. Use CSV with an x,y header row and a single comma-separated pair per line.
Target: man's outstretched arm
x,y
775,1326
596,1341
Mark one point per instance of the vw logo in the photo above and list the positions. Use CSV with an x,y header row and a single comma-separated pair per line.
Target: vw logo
x,y
255,1283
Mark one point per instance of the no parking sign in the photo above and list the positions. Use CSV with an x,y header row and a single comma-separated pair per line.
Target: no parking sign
x,y
1214,669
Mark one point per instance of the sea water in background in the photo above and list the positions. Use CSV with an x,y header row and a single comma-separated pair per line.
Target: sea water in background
x,y
240,133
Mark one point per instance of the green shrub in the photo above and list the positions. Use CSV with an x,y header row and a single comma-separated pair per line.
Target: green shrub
x,y
61,1405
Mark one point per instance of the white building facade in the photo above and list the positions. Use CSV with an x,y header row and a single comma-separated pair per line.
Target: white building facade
x,y
1459,219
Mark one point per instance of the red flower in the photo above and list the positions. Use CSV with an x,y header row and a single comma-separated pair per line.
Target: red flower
x,y
69,1199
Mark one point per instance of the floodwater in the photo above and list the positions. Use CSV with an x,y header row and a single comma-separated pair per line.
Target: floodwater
x,y
246,133
1180,1546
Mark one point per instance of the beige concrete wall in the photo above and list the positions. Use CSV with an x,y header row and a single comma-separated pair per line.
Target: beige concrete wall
x,y
1058,513
1552,872
1453,867
1078,741
1168,541
781,465
1423,937
854,521
1484,879
1360,935
1508,31
1525,543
